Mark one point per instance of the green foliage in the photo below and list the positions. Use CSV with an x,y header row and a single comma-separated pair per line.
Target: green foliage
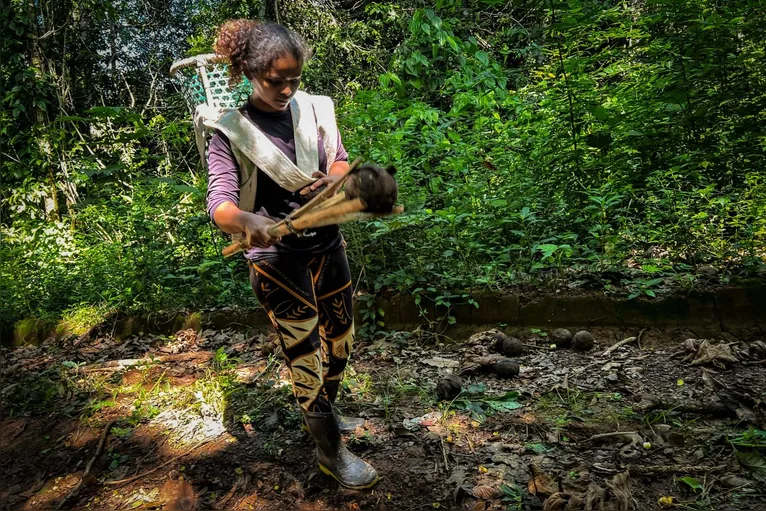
x,y
500,185
691,482
534,142
512,497
754,463
751,438
482,406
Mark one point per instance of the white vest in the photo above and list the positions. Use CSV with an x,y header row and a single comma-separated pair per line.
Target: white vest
x,y
253,150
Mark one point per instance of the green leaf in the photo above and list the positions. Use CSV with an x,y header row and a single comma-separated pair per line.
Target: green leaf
x,y
691,482
475,388
482,57
601,113
538,448
453,44
754,463
508,401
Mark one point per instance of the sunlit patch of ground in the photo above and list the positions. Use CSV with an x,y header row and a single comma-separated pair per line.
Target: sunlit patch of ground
x,y
226,430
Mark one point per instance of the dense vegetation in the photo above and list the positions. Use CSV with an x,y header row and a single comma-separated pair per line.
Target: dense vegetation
x,y
535,141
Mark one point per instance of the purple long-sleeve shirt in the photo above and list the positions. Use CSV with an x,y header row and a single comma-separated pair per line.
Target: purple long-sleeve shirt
x,y
223,180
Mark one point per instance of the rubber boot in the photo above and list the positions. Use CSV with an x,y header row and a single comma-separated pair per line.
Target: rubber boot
x,y
347,424
333,457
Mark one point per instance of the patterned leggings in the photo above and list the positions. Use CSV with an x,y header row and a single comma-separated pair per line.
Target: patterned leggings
x,y
308,298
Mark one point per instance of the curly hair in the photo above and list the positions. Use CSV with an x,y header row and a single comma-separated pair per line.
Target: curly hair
x,y
251,46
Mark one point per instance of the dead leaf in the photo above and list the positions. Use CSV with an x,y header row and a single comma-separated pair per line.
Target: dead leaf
x,y
716,354
758,349
556,502
441,362
575,503
621,489
594,498
487,492
577,480
540,484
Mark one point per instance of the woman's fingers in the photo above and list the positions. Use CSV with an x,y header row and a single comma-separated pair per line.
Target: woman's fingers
x,y
321,180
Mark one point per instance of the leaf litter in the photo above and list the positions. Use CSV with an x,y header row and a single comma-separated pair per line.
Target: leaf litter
x,y
572,431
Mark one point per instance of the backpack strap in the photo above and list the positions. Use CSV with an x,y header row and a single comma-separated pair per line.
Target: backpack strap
x,y
257,147
324,108
305,131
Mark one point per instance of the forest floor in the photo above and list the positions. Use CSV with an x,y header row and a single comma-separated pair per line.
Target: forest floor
x,y
206,421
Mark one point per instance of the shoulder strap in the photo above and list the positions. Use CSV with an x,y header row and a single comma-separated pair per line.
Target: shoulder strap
x,y
203,113
327,125
257,147
305,130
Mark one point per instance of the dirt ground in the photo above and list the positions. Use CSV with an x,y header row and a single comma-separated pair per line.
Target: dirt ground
x,y
206,421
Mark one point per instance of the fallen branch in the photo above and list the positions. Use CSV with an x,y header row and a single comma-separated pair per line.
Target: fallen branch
x,y
121,482
638,341
577,372
116,365
444,453
89,466
614,433
221,504
675,469
618,345
698,409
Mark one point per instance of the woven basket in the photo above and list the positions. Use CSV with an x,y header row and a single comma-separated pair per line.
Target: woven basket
x,y
205,79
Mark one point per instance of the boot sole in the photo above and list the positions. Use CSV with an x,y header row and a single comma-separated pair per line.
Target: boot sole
x,y
328,472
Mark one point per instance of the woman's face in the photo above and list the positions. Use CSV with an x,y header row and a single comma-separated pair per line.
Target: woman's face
x,y
274,88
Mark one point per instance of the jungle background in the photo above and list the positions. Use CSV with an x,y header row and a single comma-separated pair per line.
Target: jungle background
x,y
535,141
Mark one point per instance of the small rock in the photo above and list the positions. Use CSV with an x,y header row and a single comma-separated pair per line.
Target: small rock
x,y
562,338
707,271
583,341
612,378
271,422
512,347
507,368
449,387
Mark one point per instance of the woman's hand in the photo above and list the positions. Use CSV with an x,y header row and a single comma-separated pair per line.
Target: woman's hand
x,y
323,180
256,231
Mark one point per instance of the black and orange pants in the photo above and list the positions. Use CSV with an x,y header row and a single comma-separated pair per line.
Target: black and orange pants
x,y
308,298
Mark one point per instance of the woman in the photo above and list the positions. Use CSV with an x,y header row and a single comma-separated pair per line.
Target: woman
x,y
280,143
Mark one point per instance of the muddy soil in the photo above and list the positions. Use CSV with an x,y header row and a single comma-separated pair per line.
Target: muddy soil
x,y
206,421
